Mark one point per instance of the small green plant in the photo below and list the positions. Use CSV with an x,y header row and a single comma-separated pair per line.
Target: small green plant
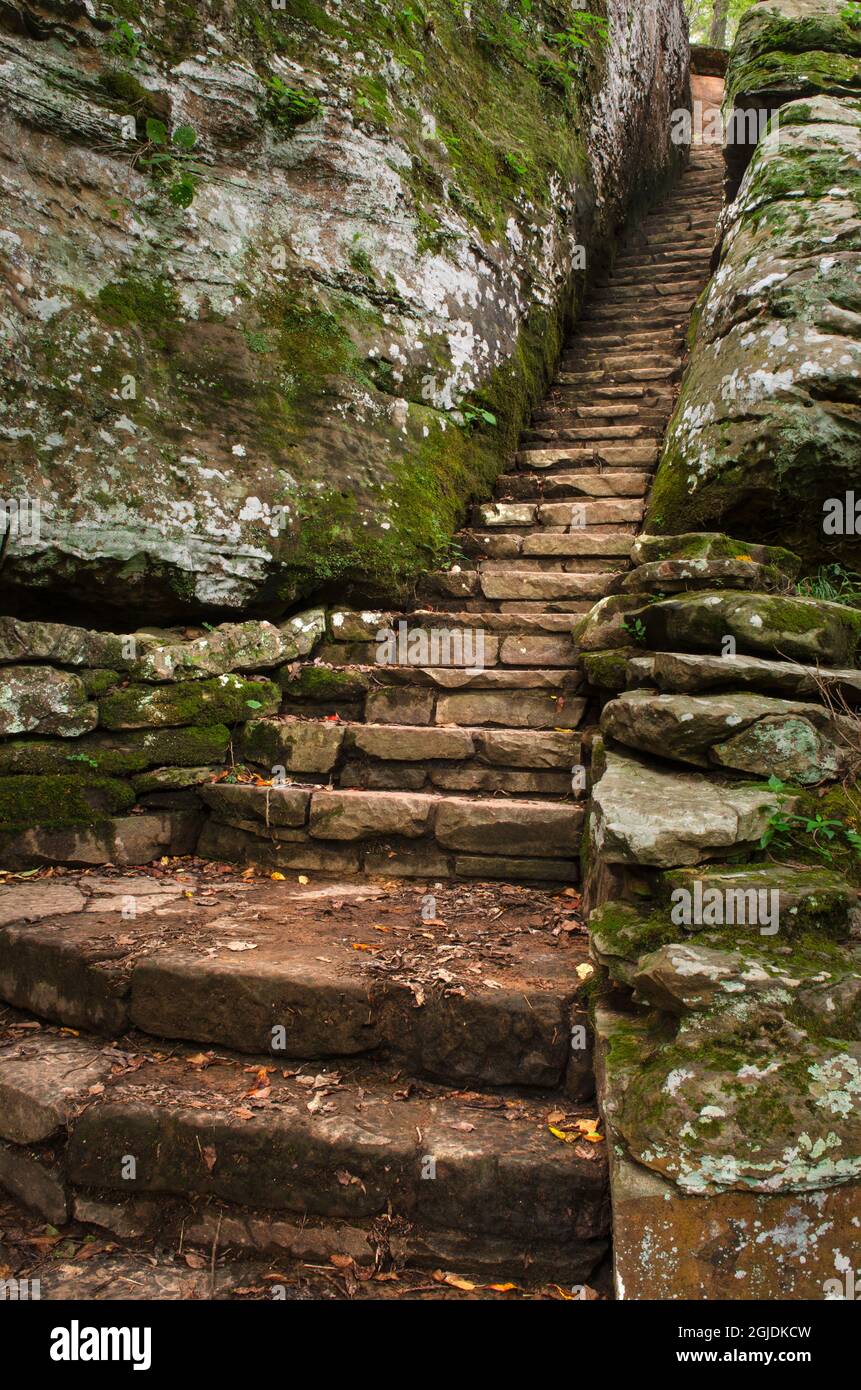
x,y
834,584
851,14
82,758
257,342
286,108
586,32
473,416
359,258
516,164
636,628
123,41
814,833
169,159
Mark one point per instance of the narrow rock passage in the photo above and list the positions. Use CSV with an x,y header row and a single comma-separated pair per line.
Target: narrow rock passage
x,y
436,1064
463,753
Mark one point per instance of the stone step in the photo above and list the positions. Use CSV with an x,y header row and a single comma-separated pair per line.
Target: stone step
x,y
580,513
574,376
552,564
658,292
388,833
281,975
573,486
612,305
342,1141
618,456
540,585
614,362
584,542
556,416
362,1149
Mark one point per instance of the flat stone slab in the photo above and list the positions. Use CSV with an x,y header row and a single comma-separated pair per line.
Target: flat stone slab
x,y
43,1081
743,730
642,814
686,672
482,995
344,1142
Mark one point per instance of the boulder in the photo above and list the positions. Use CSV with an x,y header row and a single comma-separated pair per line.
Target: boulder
x,y
57,642
744,731
115,754
641,814
40,700
119,840
713,546
811,900
782,52
294,744
604,625
249,646
799,629
61,801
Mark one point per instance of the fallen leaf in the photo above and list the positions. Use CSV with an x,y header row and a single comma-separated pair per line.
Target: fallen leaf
x,y
279,878
209,1156
454,1280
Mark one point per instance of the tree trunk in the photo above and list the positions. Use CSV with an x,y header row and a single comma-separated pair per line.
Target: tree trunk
x,y
720,15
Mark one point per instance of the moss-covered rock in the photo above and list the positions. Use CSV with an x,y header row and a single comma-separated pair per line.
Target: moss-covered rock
x,y
37,699
222,699
56,801
116,754
770,625
741,730
815,900
306,374
767,430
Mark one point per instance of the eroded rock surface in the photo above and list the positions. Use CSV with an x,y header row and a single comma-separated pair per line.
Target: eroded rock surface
x,y
291,351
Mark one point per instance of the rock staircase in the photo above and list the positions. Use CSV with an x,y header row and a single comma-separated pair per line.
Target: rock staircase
x,y
466,754
389,1074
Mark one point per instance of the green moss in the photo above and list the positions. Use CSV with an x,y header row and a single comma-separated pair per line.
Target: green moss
x,y
54,801
116,754
124,90
608,670
150,305
324,683
97,682
223,699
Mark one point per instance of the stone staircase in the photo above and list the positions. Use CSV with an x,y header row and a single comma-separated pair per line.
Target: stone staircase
x,y
461,749
387,1074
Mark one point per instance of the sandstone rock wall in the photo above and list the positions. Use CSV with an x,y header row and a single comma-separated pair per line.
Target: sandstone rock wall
x,y
767,431
282,282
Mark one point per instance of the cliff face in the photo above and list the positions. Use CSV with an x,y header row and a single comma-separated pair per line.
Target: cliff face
x,y
281,283
767,432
